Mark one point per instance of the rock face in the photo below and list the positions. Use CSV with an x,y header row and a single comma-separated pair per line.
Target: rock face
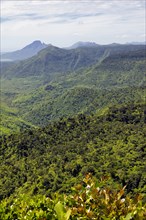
x,y
26,52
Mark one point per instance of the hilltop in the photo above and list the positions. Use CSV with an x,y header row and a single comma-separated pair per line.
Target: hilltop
x,y
24,53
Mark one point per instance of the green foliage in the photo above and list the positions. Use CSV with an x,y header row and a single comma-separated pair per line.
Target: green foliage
x,y
23,207
10,122
91,199
61,212
97,116
109,75
54,158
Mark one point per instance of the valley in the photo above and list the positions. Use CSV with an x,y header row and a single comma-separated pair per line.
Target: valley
x,y
72,123
57,83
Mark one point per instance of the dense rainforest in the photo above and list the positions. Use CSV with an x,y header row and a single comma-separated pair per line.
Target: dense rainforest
x,y
58,156
73,135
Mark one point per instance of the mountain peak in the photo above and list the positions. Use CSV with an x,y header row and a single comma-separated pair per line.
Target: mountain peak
x,y
83,44
35,44
26,52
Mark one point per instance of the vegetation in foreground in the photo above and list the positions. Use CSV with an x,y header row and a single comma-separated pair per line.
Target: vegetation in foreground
x,y
41,170
91,199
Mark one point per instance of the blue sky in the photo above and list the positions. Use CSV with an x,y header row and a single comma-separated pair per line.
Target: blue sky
x,y
65,22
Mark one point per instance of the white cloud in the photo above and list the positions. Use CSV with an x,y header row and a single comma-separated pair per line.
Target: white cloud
x,y
57,22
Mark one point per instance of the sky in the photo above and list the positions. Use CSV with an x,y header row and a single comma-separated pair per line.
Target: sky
x,y
64,22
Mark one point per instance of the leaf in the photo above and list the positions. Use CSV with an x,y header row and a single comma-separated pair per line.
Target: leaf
x,y
67,215
128,216
61,212
59,209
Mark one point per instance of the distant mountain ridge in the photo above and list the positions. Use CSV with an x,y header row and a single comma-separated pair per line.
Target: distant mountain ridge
x,y
83,44
36,46
137,43
58,60
24,53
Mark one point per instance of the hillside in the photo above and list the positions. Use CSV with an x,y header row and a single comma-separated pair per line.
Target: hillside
x,y
42,91
67,116
10,122
55,157
44,64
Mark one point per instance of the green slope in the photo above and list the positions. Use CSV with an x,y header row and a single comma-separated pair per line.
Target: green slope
x,y
54,60
87,91
10,122
94,109
117,76
41,161
42,107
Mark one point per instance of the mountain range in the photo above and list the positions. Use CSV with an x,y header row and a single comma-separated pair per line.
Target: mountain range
x,y
69,114
44,63
61,82
36,46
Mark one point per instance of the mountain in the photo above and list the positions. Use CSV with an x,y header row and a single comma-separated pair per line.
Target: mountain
x,y
83,44
70,117
26,52
58,83
54,60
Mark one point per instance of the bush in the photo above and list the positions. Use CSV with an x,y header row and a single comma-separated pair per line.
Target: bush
x,y
91,199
